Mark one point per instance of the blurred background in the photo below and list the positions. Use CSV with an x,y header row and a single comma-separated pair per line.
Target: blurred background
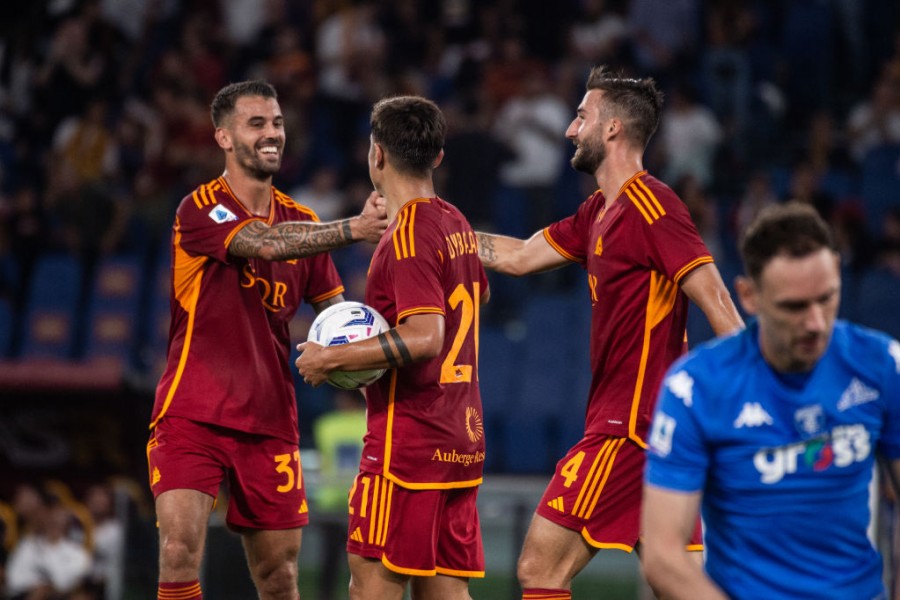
x,y
104,127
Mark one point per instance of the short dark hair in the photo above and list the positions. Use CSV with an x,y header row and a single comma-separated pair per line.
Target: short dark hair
x,y
792,229
223,104
411,129
637,102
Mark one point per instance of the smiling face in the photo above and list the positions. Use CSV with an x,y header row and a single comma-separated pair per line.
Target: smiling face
x,y
254,133
796,300
585,131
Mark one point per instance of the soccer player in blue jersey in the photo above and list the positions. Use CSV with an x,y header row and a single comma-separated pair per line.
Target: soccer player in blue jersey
x,y
772,433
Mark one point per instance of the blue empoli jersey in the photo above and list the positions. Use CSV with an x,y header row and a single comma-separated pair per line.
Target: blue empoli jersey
x,y
784,464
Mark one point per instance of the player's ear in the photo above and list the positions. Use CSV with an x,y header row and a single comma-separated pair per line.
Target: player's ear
x,y
613,128
438,160
379,155
223,138
746,293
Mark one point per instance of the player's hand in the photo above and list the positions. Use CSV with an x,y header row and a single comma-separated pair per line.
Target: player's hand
x,y
310,363
372,221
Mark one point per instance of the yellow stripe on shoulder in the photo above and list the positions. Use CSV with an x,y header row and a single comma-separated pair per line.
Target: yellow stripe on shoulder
x,y
557,247
691,266
289,202
643,203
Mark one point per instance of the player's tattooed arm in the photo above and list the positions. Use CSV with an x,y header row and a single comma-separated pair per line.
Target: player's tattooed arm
x,y
297,239
517,257
285,241
486,251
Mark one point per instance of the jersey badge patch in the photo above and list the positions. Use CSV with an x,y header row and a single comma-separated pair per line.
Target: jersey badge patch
x,y
810,420
752,415
221,214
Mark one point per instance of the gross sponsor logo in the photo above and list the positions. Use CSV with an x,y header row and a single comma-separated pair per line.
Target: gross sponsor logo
x,y
844,446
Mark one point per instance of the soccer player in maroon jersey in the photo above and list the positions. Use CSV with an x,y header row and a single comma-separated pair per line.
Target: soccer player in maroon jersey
x,y
644,260
413,519
244,257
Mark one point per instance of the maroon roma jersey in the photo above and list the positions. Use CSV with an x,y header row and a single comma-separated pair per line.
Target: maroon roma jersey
x,y
425,426
229,340
635,251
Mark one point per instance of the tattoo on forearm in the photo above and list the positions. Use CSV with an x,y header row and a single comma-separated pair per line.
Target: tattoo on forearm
x,y
401,347
386,348
295,239
486,248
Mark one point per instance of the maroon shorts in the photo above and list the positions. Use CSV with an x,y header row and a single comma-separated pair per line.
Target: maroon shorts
x,y
597,489
265,481
416,532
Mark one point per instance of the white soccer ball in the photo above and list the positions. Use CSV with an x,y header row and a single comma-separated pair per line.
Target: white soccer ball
x,y
345,323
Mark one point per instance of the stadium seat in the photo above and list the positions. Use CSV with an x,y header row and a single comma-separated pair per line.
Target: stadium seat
x,y
113,310
154,337
51,307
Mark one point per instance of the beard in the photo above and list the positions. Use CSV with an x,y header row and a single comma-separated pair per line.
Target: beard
x,y
588,157
256,167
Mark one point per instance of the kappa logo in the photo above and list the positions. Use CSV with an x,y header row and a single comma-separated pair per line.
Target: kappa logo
x,y
220,215
752,415
682,386
894,351
856,393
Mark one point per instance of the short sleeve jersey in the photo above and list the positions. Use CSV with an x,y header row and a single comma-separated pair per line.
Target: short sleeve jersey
x,y
425,421
636,251
784,464
229,340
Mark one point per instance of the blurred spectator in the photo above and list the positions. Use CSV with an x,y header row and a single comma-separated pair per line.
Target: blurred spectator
x,y
350,50
825,148
758,194
598,34
806,58
322,194
875,120
851,236
46,564
689,137
290,66
507,71
80,197
468,176
109,543
665,37
703,212
533,124
726,69
806,186
71,74
887,247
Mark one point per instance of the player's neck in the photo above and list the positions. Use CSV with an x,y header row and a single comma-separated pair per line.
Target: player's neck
x,y
255,195
616,170
400,190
